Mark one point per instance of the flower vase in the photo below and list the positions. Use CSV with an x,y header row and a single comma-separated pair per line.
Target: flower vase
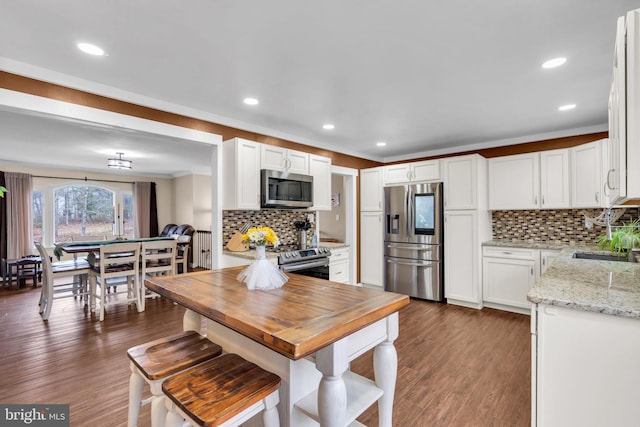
x,y
261,252
261,273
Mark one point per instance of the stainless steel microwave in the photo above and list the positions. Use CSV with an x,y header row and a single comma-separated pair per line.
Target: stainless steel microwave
x,y
285,190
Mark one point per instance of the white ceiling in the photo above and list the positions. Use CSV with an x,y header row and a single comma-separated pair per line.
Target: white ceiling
x,y
427,77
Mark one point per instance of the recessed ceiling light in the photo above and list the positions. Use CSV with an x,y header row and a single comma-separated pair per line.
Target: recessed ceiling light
x,y
328,126
567,107
251,101
554,62
381,144
91,49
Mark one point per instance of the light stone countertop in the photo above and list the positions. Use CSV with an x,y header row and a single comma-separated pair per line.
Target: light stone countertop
x,y
609,287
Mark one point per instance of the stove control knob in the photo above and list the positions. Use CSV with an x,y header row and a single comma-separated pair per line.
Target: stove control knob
x,y
286,254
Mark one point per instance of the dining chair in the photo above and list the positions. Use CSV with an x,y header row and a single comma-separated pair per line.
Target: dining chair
x,y
118,264
53,286
158,258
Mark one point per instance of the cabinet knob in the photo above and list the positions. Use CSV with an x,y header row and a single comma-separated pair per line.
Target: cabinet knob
x,y
597,197
532,271
535,200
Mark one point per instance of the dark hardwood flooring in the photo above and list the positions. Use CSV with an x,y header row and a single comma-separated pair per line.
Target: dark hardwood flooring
x,y
456,366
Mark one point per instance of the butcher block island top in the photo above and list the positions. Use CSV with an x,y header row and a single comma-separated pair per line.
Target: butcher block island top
x,y
297,320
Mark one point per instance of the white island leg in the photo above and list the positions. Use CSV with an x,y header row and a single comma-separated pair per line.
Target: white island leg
x,y
385,368
332,361
192,321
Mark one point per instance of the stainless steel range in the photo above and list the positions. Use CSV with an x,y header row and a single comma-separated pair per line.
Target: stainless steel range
x,y
312,262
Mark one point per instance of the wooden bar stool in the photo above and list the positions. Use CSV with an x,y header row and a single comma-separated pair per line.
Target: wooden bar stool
x,y
225,391
155,361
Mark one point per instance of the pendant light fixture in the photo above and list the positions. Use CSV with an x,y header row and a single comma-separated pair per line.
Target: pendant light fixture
x,y
119,162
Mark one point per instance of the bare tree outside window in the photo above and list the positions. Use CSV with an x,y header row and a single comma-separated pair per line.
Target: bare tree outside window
x,y
37,216
83,212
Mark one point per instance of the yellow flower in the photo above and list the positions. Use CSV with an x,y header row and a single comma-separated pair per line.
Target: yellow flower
x,y
261,236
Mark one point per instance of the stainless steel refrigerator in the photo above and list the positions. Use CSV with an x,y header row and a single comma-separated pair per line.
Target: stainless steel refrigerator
x,y
414,240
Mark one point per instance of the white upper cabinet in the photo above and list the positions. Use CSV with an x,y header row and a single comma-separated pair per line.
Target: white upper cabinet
x,y
463,182
241,174
554,179
623,176
283,159
371,190
587,183
428,170
320,169
514,182
530,181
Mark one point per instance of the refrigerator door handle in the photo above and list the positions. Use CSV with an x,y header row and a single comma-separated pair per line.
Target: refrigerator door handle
x,y
409,212
426,264
411,247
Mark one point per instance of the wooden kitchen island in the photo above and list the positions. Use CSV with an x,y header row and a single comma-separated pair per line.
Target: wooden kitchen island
x,y
306,332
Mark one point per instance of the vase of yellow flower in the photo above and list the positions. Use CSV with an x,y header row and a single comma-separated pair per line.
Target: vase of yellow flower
x,y
262,274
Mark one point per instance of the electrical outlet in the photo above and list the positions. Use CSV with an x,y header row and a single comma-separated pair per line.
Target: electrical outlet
x,y
337,217
310,218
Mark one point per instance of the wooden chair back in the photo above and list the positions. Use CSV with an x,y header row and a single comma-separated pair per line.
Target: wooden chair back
x,y
158,258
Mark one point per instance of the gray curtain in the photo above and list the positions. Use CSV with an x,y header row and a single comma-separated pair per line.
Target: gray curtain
x,y
19,200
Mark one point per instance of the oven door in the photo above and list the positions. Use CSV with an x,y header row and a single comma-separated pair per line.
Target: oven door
x,y
314,268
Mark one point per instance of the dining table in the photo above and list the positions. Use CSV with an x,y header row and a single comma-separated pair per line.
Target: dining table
x,y
94,245
307,332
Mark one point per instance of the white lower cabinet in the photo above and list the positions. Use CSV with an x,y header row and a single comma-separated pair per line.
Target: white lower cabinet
x,y
339,265
462,259
546,258
371,249
507,276
584,368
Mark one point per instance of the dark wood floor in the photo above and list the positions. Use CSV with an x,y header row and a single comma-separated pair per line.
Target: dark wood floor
x,y
456,366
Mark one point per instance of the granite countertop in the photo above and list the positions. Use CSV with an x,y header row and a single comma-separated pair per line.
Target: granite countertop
x,y
609,287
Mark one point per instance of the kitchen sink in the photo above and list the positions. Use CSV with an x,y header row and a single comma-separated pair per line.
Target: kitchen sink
x,y
600,257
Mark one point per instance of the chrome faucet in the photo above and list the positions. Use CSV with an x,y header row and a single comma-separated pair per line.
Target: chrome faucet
x,y
609,236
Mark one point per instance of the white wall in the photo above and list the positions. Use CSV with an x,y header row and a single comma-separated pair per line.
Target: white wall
x,y
332,223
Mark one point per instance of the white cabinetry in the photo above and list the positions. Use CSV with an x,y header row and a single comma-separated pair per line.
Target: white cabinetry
x,y
282,159
467,223
320,169
623,175
530,181
463,182
514,182
371,248
546,258
584,368
339,265
371,190
241,174
428,170
554,179
586,176
507,276
462,258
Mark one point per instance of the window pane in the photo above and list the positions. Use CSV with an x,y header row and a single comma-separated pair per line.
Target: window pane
x,y
83,213
127,202
37,216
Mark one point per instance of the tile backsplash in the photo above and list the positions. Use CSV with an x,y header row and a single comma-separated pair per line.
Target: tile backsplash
x,y
280,220
564,226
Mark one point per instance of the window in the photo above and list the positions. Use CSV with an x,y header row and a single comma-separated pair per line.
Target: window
x,y
83,212
37,216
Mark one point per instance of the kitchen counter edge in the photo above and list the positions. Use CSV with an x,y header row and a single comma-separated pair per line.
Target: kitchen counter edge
x,y
608,287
